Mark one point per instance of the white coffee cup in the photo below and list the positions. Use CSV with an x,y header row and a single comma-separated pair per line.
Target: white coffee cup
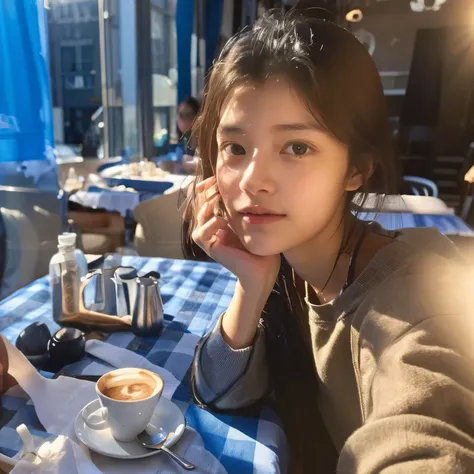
x,y
135,393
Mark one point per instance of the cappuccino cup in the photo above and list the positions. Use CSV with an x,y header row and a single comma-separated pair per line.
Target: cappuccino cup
x,y
128,398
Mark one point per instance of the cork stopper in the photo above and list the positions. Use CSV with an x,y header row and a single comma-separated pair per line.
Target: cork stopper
x,y
67,239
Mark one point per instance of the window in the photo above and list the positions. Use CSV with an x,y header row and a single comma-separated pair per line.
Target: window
x,y
94,10
76,66
87,57
69,59
83,11
158,42
123,128
64,11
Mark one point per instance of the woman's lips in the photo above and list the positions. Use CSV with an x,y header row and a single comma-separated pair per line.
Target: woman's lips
x,y
261,218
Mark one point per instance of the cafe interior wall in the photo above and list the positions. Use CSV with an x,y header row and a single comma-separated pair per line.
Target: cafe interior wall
x,y
33,210
395,27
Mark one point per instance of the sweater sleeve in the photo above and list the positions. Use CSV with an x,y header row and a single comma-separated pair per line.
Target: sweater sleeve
x,y
418,404
228,378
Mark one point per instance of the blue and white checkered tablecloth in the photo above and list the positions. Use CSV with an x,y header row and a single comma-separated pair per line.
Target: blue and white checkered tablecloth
x,y
194,295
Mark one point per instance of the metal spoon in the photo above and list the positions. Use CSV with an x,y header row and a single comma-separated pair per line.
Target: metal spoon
x,y
157,441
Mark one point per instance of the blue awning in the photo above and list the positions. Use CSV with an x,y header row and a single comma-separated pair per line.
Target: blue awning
x,y
26,125
26,118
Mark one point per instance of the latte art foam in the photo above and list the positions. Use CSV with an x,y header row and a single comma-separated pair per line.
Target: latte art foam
x,y
130,385
134,391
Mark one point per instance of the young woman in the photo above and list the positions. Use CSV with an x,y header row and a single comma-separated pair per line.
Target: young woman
x,y
360,337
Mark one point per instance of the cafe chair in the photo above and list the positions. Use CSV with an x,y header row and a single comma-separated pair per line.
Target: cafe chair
x,y
100,232
158,231
420,186
32,220
21,251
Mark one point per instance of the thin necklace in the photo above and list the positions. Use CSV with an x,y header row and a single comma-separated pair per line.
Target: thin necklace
x,y
350,268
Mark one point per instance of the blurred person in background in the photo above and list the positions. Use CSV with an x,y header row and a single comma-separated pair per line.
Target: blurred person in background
x,y
187,111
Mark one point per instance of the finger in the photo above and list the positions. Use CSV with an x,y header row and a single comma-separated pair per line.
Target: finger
x,y
210,192
211,228
225,237
206,194
205,234
220,209
228,238
207,210
207,183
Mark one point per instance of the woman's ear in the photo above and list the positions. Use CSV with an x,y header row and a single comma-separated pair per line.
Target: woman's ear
x,y
356,178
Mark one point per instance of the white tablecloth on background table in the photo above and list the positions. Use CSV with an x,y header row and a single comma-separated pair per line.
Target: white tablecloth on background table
x,y
123,201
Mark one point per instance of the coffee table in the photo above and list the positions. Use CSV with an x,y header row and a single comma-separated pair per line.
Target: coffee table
x,y
194,295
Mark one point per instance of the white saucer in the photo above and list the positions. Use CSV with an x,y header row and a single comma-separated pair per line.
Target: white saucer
x,y
167,416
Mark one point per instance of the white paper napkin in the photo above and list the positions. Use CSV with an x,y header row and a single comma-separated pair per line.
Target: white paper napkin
x,y
190,446
56,456
57,403
61,455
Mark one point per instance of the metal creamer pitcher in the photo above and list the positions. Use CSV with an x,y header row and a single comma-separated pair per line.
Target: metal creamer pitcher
x,y
147,316
125,289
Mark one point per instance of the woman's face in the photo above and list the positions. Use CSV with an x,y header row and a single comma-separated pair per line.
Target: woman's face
x,y
281,177
185,117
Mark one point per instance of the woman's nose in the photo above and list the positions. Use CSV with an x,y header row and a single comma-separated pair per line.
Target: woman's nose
x,y
257,177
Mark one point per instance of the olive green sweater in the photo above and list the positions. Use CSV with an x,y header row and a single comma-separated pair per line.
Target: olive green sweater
x,y
395,358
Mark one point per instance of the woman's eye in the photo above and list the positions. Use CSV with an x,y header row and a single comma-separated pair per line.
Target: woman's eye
x,y
297,149
234,149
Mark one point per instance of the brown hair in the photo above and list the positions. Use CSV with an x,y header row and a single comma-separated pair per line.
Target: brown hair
x,y
333,73
338,81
